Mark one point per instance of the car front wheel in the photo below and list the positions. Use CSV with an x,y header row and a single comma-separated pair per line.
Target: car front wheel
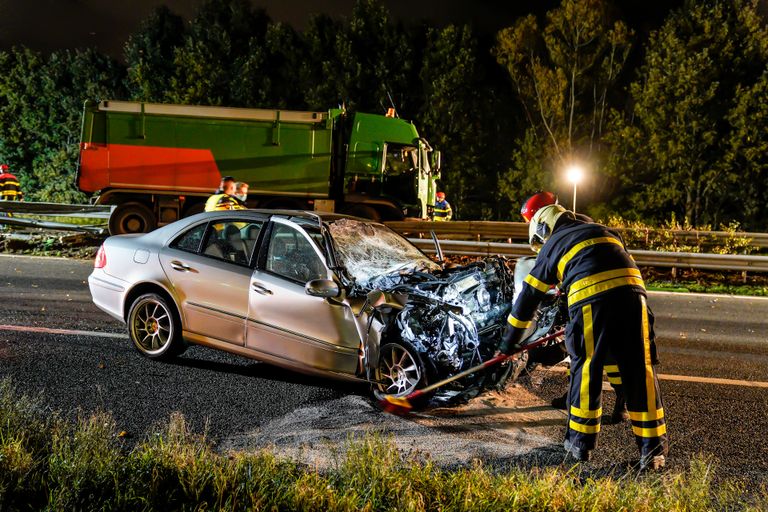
x,y
154,327
400,371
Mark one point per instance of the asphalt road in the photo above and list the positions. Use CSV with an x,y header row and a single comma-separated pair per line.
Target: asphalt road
x,y
713,351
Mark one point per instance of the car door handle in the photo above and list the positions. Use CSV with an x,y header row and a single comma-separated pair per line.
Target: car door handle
x,y
181,267
261,289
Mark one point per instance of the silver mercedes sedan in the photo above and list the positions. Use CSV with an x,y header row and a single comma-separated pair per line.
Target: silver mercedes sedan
x,y
318,293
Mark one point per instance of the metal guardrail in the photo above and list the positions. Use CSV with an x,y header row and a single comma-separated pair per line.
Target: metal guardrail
x,y
86,211
480,230
732,262
72,210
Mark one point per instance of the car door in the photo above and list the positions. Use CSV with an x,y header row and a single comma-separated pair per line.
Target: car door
x,y
209,269
285,322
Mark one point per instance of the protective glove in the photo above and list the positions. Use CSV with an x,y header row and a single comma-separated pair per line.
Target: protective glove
x,y
510,340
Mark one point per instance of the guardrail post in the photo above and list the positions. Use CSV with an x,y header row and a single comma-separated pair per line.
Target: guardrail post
x,y
744,276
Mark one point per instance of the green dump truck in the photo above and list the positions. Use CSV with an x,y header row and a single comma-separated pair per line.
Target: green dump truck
x,y
158,163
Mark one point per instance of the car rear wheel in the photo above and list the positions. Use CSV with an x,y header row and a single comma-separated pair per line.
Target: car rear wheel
x,y
154,327
399,372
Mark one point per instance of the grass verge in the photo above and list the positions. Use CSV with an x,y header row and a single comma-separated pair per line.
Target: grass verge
x,y
47,463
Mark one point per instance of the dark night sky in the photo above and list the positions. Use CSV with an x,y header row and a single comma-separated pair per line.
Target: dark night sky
x,y
52,24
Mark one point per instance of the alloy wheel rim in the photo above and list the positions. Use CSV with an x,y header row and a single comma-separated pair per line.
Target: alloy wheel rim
x,y
152,327
399,373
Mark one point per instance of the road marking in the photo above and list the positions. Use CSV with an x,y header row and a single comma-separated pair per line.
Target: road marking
x,y
70,332
662,376
691,378
707,295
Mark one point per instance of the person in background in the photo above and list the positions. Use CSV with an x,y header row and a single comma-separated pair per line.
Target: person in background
x,y
10,189
442,211
224,198
241,191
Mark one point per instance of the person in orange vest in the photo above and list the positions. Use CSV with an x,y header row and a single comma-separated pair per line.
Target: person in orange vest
x,y
10,189
442,211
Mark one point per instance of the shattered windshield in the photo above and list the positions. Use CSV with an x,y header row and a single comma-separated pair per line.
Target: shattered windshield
x,y
370,250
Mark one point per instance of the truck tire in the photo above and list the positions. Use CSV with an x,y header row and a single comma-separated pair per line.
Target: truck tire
x,y
364,211
131,218
194,209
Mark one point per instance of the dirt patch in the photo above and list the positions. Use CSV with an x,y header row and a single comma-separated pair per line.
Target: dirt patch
x,y
497,428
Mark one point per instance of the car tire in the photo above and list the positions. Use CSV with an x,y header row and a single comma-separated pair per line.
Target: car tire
x,y
155,328
400,370
131,218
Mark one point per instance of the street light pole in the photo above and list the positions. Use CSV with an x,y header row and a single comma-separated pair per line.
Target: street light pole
x,y
574,174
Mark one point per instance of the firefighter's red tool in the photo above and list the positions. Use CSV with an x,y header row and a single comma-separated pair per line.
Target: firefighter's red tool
x,y
401,405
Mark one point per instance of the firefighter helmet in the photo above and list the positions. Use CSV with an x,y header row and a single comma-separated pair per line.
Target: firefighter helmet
x,y
542,224
536,201
440,196
4,167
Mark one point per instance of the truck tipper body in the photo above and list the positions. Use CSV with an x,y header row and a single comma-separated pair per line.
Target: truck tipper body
x,y
158,163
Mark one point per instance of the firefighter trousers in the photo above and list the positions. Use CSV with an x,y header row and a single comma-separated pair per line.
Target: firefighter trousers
x,y
613,327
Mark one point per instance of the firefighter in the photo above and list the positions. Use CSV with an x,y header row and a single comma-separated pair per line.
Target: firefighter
x,y
619,414
224,198
442,211
607,314
10,190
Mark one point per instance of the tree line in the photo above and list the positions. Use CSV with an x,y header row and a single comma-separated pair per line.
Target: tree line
x,y
670,125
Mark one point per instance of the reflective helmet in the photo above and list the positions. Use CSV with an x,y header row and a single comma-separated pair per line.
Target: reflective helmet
x,y
4,167
440,196
542,224
536,201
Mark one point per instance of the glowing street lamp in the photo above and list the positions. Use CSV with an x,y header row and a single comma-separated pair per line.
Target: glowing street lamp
x,y
574,174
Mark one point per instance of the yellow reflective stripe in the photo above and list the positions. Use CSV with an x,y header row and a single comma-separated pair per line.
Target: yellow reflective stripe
x,y
602,282
650,432
650,381
514,322
539,285
586,413
589,346
615,380
442,210
611,368
584,429
581,245
652,415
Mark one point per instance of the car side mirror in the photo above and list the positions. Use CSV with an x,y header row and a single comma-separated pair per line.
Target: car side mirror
x,y
322,288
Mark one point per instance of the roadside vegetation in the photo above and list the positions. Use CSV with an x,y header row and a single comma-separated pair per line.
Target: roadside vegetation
x,y
48,463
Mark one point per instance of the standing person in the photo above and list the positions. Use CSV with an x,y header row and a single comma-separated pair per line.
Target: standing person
x,y
619,414
10,189
241,191
607,314
223,198
442,211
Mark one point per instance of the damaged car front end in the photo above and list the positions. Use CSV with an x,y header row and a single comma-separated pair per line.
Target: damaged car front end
x,y
423,323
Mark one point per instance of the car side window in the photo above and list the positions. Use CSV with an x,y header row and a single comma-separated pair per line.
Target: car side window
x,y
190,240
292,256
232,241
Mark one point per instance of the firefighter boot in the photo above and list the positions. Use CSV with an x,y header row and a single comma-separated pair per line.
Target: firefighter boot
x,y
620,413
574,454
561,402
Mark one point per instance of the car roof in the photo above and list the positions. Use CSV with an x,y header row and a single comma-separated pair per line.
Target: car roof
x,y
302,214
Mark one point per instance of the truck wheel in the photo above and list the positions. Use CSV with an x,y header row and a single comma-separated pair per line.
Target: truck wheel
x,y
364,211
194,209
131,218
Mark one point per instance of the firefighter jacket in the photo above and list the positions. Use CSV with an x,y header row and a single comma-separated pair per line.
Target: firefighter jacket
x,y
587,259
442,211
223,202
10,190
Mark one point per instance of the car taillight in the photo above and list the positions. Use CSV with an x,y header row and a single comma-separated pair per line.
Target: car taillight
x,y
101,258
